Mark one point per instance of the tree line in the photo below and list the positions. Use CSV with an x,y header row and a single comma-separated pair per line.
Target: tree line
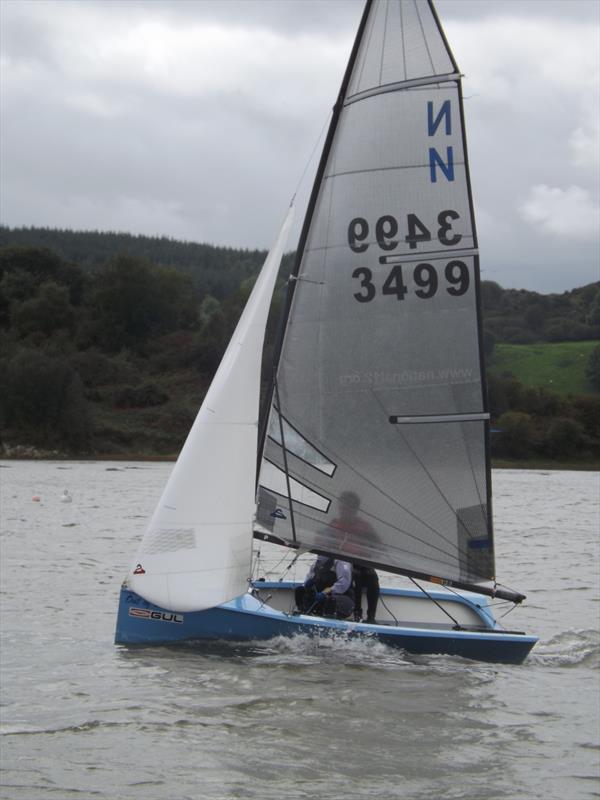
x,y
217,271
115,356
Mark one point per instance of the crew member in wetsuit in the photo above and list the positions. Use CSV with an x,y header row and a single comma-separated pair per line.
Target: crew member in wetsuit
x,y
327,590
365,578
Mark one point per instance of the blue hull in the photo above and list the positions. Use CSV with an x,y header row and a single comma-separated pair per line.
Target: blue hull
x,y
246,619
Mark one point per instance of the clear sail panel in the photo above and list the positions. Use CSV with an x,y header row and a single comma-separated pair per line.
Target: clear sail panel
x,y
380,367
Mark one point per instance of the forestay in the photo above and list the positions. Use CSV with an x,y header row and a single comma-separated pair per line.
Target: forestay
x,y
379,397
197,550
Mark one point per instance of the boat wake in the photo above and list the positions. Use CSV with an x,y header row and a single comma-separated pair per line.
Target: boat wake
x,y
570,648
334,649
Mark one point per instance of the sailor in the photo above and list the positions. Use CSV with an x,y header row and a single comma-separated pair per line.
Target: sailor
x,y
327,590
359,539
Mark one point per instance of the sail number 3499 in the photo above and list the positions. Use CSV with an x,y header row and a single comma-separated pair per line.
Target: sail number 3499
x,y
386,229
425,276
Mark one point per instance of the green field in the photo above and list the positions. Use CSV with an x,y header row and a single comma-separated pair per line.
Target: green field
x,y
557,366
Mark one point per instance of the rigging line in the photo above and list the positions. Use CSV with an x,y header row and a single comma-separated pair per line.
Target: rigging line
x,y
506,613
255,565
311,156
293,561
264,600
306,280
277,566
390,612
484,605
479,605
441,607
424,468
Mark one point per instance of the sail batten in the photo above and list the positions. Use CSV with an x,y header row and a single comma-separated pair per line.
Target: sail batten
x,y
423,419
401,85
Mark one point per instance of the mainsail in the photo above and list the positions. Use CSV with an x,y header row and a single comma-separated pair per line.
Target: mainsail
x,y
197,550
376,446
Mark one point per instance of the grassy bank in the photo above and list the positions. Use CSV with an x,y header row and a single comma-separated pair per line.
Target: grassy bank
x,y
557,366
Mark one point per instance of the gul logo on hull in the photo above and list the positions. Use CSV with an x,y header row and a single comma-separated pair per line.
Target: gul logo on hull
x,y
160,616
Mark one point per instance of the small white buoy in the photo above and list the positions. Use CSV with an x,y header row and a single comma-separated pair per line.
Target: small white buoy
x,y
66,497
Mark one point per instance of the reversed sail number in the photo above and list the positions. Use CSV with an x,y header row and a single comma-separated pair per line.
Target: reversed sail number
x,y
425,276
386,231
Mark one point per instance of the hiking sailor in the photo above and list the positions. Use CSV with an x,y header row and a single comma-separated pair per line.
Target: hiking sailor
x,y
327,590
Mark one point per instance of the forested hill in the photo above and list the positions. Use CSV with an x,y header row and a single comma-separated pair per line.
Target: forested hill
x,y
511,315
217,271
523,317
108,343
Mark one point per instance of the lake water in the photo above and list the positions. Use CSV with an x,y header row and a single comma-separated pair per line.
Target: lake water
x,y
293,719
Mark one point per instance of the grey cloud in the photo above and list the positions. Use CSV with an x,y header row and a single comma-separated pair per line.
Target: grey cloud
x,y
219,162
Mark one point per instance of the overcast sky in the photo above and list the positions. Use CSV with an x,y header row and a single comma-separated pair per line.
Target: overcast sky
x,y
195,119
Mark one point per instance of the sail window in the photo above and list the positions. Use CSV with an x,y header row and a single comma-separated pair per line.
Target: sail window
x,y
273,478
296,444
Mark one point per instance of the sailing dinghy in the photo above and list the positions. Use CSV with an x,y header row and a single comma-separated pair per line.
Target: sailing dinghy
x,y
378,391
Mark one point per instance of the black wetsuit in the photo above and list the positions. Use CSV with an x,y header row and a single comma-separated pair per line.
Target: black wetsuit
x,y
365,578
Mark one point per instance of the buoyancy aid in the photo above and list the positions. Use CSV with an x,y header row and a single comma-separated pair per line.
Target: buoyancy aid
x,y
324,574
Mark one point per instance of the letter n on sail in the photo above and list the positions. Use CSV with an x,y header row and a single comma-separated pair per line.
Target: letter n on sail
x,y
444,114
435,161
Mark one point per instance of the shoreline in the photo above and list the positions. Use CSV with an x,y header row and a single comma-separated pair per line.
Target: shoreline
x,y
25,453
